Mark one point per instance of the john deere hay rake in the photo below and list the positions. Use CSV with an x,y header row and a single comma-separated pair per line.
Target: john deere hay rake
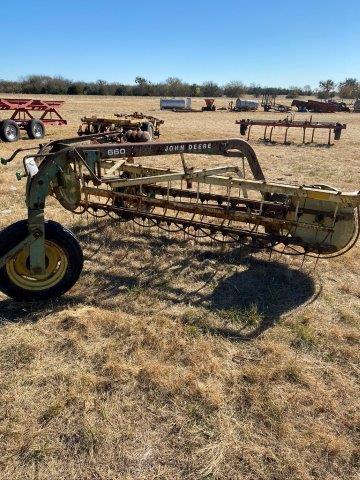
x,y
94,175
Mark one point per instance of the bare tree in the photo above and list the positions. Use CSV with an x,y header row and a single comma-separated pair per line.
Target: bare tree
x,y
349,88
210,89
176,87
234,89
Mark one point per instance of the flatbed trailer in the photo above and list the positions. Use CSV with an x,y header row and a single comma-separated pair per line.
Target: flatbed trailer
x,y
23,119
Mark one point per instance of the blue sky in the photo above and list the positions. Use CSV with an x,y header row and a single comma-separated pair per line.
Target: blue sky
x,y
278,43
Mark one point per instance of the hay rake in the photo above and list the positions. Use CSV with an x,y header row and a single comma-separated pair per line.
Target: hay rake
x,y
95,175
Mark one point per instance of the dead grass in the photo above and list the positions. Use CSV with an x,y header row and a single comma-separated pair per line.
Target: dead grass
x,y
176,360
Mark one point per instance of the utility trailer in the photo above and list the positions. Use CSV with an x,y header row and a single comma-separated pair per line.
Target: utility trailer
x,y
135,127
22,118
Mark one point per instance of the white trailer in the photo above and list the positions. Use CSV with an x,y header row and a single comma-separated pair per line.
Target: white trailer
x,y
175,103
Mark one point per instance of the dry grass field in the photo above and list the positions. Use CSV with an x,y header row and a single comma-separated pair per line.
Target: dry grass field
x,y
172,359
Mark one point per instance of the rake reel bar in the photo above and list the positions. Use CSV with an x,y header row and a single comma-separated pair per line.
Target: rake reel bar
x,y
225,204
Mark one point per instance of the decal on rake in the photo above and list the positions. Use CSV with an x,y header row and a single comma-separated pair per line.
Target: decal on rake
x,y
41,259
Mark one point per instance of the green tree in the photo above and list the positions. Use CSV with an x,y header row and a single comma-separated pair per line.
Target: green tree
x,y
195,90
326,89
76,88
142,87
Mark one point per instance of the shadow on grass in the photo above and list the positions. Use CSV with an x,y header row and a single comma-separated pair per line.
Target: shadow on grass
x,y
247,301
257,297
15,311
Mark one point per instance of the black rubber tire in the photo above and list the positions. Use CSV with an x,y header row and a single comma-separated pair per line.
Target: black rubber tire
x,y
5,134
149,128
59,235
35,129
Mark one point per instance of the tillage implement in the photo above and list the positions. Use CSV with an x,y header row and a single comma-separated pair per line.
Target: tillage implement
x,y
40,259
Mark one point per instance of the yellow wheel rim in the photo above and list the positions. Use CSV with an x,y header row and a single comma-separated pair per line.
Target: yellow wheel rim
x,y
18,268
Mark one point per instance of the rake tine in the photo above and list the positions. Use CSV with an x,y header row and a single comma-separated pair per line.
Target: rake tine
x,y
316,262
303,261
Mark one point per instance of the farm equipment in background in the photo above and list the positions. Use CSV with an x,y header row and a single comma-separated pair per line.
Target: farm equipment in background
x,y
184,105
209,107
231,204
301,105
268,102
135,127
289,122
176,104
317,106
242,105
22,119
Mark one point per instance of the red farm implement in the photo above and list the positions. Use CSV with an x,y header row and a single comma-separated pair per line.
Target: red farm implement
x,y
23,119
320,107
209,105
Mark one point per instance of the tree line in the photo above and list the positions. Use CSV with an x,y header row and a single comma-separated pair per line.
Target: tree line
x,y
172,87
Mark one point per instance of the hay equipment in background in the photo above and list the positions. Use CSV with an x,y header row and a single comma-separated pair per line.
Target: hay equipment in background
x,y
227,204
22,118
243,105
135,127
209,105
289,122
317,106
184,105
268,102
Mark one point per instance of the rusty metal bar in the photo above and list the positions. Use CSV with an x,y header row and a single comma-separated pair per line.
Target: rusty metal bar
x,y
289,122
